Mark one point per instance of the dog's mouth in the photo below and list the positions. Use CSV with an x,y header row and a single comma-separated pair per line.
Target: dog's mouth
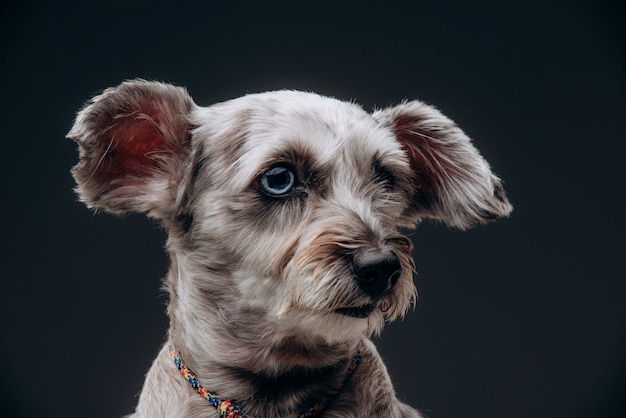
x,y
357,311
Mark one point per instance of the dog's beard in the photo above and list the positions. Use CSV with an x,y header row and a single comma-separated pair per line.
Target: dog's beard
x,y
322,295
327,306
338,312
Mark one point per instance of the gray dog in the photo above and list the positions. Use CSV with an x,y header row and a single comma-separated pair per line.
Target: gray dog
x,y
283,211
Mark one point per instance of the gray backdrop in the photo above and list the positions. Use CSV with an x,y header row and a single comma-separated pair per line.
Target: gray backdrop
x,y
521,318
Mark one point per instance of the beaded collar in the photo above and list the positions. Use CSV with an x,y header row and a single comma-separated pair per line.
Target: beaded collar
x,y
230,409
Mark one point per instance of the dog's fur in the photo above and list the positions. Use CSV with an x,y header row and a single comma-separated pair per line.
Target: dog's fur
x,y
264,305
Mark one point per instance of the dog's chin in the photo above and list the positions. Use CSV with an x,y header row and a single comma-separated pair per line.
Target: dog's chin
x,y
362,311
347,324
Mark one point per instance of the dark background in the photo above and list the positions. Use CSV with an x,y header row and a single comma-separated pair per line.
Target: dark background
x,y
525,317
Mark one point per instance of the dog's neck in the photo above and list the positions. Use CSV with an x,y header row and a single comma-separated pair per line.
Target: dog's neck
x,y
295,392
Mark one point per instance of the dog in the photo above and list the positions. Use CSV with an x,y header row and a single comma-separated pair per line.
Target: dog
x,y
284,213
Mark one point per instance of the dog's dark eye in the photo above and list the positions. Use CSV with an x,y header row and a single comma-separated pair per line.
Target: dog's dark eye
x,y
278,181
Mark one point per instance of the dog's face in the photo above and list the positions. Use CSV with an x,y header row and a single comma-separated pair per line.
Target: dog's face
x,y
301,192
284,209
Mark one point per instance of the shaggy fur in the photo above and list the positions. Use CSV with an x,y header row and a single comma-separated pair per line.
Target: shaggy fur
x,y
270,293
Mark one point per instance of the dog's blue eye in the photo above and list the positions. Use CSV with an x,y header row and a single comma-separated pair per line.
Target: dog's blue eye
x,y
278,181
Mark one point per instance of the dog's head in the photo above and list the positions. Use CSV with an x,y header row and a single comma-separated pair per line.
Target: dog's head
x,y
283,208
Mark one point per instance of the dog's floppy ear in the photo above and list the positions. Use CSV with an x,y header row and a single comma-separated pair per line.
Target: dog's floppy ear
x,y
454,184
134,140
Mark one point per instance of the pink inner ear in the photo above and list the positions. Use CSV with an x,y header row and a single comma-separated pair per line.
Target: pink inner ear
x,y
408,135
425,158
133,143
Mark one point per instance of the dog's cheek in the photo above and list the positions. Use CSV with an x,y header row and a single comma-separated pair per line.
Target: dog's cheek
x,y
270,230
259,239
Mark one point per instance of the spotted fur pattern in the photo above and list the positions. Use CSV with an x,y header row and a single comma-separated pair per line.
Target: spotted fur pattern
x,y
257,283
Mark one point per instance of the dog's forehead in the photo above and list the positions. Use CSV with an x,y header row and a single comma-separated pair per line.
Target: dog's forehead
x,y
269,125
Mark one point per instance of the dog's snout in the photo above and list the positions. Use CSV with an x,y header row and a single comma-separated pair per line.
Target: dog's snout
x,y
376,271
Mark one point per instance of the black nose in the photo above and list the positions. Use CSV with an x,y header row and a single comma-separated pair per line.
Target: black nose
x,y
376,271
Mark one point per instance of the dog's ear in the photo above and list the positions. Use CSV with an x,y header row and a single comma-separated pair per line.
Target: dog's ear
x,y
134,140
454,184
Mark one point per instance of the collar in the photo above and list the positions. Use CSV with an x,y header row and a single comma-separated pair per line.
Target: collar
x,y
230,409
